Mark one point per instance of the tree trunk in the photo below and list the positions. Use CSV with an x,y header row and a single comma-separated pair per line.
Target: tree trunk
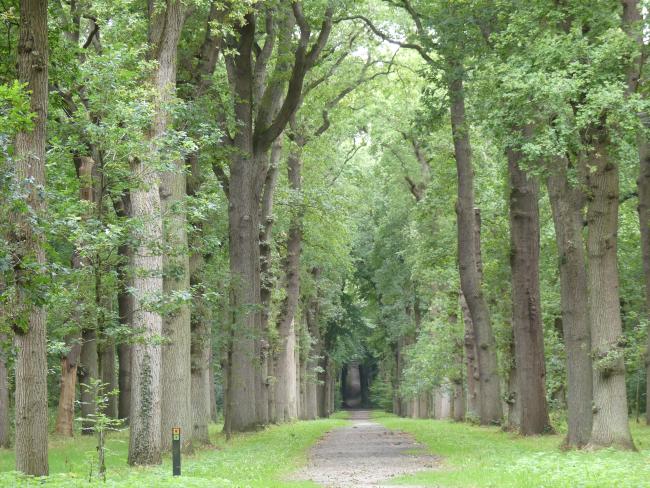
x,y
265,394
610,423
5,425
145,422
566,204
472,374
107,370
526,300
176,409
643,185
65,411
201,354
245,299
27,243
470,276
125,311
88,372
286,364
313,327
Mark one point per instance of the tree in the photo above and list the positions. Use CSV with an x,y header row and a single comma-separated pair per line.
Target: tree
x,y
29,264
257,129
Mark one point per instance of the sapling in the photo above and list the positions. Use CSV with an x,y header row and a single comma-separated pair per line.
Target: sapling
x,y
100,423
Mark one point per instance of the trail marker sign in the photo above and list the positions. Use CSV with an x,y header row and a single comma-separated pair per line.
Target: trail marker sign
x,y
176,451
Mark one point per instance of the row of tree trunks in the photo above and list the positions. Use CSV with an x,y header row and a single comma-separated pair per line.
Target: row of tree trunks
x,y
146,435
470,275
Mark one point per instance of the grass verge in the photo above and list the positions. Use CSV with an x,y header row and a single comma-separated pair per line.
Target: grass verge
x,y
487,457
256,460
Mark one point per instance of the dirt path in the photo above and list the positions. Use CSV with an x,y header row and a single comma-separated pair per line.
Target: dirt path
x,y
364,455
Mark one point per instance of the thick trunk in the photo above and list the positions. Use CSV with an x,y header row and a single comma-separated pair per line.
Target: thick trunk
x,y
176,409
566,204
610,422
145,421
201,354
245,301
526,300
471,362
470,276
30,338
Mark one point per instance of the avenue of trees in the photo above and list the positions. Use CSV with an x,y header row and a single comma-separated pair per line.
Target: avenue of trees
x,y
215,209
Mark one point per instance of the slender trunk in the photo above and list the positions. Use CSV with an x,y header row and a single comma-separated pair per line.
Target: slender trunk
x,y
313,326
610,423
65,411
470,276
472,374
30,338
286,364
201,354
5,426
88,372
643,185
566,204
125,311
526,300
107,373
265,394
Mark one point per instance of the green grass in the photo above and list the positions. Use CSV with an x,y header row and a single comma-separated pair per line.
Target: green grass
x,y
487,457
261,459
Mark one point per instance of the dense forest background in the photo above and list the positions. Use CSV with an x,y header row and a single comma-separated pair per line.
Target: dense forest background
x,y
219,209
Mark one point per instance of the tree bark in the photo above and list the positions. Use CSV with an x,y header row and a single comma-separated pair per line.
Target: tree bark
x,y
313,327
643,185
610,423
472,372
286,402
30,338
201,354
107,370
567,202
470,276
176,410
5,425
526,300
265,394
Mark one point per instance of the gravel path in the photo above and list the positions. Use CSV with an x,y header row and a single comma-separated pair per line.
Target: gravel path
x,y
364,455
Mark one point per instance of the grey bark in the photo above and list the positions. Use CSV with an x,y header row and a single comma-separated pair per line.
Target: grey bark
x,y
471,363
610,422
470,276
30,338
526,299
567,201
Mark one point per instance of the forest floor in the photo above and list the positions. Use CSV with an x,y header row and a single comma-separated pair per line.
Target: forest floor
x,y
261,459
364,454
358,453
480,457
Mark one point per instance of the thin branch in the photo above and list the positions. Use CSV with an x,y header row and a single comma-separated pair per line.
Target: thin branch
x,y
385,37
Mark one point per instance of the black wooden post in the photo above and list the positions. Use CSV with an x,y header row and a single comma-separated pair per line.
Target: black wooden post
x,y
176,451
